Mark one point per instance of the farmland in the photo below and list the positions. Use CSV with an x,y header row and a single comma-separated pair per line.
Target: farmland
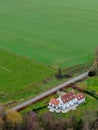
x,y
53,32
37,36
39,33
21,77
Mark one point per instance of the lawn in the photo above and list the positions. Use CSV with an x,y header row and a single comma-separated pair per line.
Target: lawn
x,y
53,32
92,84
20,77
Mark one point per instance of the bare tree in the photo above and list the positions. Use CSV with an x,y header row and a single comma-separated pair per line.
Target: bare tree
x,y
50,122
31,121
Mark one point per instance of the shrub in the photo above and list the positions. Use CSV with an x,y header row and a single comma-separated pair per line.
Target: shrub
x,y
13,120
30,121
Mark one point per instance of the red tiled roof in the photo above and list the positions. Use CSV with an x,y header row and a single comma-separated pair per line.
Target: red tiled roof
x,y
80,96
68,97
54,101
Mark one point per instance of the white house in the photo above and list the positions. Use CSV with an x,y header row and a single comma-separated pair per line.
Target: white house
x,y
80,97
53,105
66,102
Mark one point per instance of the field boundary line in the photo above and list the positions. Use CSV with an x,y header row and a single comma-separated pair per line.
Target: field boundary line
x,y
4,68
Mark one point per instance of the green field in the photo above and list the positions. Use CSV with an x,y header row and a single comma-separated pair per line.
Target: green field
x,y
21,77
53,32
45,32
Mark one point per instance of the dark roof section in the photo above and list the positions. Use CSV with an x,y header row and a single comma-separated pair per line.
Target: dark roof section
x,y
68,97
54,101
80,96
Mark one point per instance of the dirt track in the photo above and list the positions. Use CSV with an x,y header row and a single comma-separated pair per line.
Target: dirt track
x,y
49,92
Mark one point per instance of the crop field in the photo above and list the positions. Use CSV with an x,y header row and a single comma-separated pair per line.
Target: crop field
x,y
21,77
53,32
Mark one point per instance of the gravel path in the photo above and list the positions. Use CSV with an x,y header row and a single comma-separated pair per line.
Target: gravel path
x,y
49,92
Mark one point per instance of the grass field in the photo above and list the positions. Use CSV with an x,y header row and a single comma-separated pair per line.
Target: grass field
x,y
61,32
92,84
21,77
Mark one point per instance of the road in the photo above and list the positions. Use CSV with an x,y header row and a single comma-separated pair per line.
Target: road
x,y
49,92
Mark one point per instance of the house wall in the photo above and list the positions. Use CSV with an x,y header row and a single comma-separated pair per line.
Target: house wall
x,y
68,104
81,101
64,106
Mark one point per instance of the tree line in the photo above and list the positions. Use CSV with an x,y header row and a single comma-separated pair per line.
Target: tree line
x,y
12,120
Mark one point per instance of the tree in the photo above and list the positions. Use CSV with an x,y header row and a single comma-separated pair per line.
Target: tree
x,y
95,63
96,53
1,124
94,68
9,119
79,125
13,120
31,121
53,122
59,74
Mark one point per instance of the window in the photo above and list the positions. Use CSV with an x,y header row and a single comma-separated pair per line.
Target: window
x,y
59,107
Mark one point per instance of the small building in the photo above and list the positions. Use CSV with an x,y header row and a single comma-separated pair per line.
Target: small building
x,y
54,105
66,102
80,97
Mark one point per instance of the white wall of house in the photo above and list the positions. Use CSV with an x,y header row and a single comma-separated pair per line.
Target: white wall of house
x,y
64,106
68,104
53,106
50,105
71,103
59,99
81,101
75,100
